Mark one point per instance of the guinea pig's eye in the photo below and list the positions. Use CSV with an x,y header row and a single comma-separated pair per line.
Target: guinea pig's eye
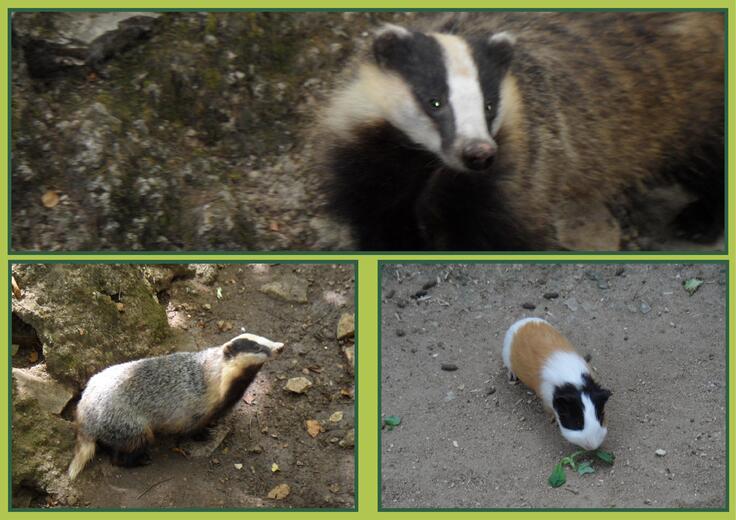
x,y
435,104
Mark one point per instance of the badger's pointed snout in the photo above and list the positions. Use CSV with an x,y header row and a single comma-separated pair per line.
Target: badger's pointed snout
x,y
277,348
478,154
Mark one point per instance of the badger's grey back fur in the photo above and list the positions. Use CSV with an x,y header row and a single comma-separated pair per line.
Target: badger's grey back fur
x,y
593,107
115,413
125,405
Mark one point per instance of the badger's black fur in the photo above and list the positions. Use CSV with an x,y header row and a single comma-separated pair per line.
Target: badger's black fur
x,y
593,105
401,199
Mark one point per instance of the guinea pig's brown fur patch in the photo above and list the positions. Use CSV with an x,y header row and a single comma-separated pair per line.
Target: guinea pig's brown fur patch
x,y
532,345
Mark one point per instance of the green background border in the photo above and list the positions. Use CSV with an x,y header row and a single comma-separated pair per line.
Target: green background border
x,y
367,312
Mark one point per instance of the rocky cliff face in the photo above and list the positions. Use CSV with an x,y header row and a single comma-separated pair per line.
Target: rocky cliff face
x,y
172,131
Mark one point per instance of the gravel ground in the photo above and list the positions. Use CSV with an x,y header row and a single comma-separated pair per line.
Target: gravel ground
x,y
470,439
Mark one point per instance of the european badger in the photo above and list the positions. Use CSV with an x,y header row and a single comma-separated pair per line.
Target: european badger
x,y
125,405
514,131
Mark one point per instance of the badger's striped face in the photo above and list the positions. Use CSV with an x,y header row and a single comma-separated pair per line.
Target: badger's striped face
x,y
251,348
451,104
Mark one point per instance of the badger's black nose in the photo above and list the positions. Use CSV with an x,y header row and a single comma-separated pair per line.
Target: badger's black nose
x,y
478,155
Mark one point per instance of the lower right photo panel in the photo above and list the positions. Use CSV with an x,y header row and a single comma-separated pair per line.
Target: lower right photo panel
x,y
553,386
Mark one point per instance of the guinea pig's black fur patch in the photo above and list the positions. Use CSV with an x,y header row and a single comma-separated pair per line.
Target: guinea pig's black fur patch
x,y
568,403
569,406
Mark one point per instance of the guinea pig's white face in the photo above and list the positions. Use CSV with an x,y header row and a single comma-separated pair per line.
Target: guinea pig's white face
x,y
579,412
591,436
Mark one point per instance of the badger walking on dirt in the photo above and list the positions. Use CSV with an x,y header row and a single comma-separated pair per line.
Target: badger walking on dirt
x,y
125,405
515,131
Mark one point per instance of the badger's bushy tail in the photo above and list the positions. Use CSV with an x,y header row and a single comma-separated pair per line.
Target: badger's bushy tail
x,y
83,452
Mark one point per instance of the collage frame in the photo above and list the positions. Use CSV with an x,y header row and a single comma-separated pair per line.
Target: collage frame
x,y
368,268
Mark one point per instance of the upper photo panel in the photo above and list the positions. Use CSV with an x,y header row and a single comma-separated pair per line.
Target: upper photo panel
x,y
293,131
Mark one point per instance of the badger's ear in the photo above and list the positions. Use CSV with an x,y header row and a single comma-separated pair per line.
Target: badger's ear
x,y
391,41
501,47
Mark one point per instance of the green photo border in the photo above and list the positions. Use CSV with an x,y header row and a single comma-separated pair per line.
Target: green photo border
x,y
368,411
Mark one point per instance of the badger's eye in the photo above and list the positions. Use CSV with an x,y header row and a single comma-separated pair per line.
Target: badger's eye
x,y
489,107
435,104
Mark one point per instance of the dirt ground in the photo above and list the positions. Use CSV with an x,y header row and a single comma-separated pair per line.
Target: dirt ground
x,y
470,439
268,425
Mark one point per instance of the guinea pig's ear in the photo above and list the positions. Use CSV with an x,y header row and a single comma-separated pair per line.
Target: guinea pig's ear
x,y
501,47
391,41
604,394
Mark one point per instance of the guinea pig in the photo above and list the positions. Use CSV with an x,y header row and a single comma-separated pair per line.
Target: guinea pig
x,y
544,360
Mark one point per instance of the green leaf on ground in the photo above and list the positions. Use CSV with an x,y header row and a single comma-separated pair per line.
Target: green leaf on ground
x,y
568,461
392,421
605,456
585,467
692,285
557,478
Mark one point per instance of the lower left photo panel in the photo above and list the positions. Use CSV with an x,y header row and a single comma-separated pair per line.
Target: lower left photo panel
x,y
183,386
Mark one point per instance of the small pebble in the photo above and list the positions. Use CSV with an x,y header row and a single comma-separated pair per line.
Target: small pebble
x,y
429,284
491,390
529,306
419,294
551,295
298,385
660,452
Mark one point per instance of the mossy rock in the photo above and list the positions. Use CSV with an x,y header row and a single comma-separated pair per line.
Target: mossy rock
x,y
42,447
89,317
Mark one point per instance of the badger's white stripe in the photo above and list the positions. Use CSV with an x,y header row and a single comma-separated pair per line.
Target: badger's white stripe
x,y
508,340
466,95
503,102
376,95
